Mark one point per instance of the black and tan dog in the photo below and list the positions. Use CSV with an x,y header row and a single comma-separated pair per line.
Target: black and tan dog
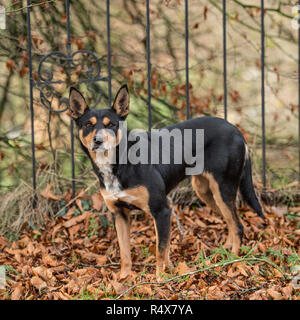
x,y
227,170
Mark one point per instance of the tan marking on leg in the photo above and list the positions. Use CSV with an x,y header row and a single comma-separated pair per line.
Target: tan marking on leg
x,y
109,201
106,121
123,233
141,196
201,186
162,257
227,212
137,196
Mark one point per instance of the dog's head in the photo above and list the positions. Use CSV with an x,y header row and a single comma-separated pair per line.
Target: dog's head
x,y
99,128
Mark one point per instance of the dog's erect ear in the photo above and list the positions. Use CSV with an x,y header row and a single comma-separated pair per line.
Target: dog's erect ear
x,y
77,104
121,103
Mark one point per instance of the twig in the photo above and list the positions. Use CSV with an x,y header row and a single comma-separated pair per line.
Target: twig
x,y
176,217
220,264
32,5
72,200
277,10
116,264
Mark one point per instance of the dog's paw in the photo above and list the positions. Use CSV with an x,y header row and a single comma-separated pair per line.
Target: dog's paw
x,y
127,275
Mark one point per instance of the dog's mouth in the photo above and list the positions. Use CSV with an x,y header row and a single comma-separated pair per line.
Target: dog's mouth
x,y
94,148
102,147
97,148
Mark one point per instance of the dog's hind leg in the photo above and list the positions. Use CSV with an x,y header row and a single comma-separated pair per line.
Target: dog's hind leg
x,y
224,193
200,185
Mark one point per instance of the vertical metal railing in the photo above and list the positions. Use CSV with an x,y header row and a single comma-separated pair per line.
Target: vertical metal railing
x,y
70,63
31,103
69,72
298,91
46,81
187,81
148,63
224,59
263,92
108,50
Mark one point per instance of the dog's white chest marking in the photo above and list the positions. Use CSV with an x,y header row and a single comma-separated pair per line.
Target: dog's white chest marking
x,y
110,181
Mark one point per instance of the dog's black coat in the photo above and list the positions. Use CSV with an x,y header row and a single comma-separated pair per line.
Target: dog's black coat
x,y
225,158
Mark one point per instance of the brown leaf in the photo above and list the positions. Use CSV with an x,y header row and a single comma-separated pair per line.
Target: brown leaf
x,y
101,260
274,294
10,64
145,290
278,274
118,287
38,283
48,194
3,242
73,230
77,219
288,290
182,268
23,71
45,274
17,292
97,201
49,260
79,44
63,18
241,269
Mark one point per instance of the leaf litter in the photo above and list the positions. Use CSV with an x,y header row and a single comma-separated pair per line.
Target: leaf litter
x,y
76,256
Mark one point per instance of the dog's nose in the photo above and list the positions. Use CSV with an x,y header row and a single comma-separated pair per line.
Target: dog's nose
x,y
98,140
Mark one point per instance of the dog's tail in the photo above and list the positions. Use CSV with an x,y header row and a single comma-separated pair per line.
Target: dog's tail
x,y
246,187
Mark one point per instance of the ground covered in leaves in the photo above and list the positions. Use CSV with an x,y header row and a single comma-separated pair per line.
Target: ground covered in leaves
x,y
76,256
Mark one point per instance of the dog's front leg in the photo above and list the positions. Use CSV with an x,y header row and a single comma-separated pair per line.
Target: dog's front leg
x,y
123,234
162,229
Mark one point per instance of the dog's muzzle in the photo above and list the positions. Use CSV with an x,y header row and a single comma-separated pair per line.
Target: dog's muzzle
x,y
97,142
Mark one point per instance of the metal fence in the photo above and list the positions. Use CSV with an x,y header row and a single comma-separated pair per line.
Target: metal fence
x,y
68,58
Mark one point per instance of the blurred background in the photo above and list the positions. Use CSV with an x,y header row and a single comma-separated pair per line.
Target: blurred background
x,y
129,64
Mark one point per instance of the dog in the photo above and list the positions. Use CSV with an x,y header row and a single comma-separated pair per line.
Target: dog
x,y
226,170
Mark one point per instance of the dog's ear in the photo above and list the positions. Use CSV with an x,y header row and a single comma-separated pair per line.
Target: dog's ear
x,y
121,103
77,103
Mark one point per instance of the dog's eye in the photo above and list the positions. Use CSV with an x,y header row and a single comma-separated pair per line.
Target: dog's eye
x,y
111,125
88,125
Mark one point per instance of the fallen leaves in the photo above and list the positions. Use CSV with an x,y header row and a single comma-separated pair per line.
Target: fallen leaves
x,y
38,283
182,268
48,194
97,201
66,261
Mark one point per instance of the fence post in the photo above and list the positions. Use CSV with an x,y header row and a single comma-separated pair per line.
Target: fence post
x,y
108,51
187,82
299,90
71,121
148,64
31,105
263,92
224,60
